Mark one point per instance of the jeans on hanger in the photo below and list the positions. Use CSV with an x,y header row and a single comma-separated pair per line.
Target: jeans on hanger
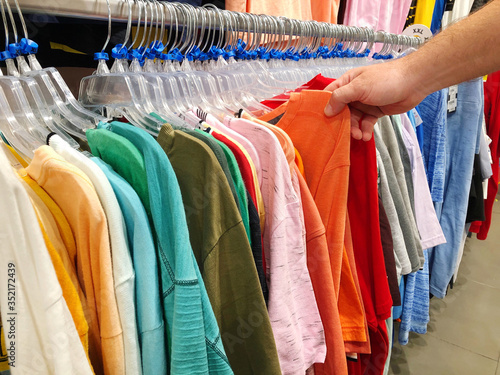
x,y
461,143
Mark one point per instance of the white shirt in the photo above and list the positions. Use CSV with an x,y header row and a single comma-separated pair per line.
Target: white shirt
x,y
123,270
46,340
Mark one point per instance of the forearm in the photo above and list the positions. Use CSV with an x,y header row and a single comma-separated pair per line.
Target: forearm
x,y
466,50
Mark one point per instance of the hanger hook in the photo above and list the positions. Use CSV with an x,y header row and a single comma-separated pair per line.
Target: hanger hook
x,y
12,21
173,15
146,40
139,17
108,38
213,10
129,25
207,14
5,24
21,17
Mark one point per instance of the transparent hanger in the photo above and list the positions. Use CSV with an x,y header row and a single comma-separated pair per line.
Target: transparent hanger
x,y
233,84
252,75
167,106
59,98
200,86
11,128
24,96
135,94
122,93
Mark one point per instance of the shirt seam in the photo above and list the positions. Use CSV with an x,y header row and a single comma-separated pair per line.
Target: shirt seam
x,y
213,346
219,239
342,165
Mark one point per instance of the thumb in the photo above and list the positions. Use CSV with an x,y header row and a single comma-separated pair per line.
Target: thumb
x,y
340,97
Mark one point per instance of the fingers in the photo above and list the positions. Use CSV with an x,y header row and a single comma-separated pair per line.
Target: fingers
x,y
362,125
340,97
346,91
367,124
356,117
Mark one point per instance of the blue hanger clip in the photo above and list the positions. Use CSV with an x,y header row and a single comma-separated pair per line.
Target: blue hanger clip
x,y
4,55
15,49
28,46
101,56
119,52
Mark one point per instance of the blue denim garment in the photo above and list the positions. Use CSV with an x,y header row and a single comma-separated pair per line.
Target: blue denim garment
x,y
461,143
397,311
433,112
143,251
416,303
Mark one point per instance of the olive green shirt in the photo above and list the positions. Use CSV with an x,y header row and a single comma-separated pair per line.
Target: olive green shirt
x,y
223,254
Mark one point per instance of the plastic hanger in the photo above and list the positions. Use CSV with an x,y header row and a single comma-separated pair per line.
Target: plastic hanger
x,y
24,93
13,127
121,93
57,93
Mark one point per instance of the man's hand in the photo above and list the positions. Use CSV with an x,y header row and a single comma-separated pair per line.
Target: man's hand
x,y
372,92
466,50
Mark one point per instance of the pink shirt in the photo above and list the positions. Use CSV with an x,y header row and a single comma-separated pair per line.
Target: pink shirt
x,y
428,225
248,146
389,16
294,314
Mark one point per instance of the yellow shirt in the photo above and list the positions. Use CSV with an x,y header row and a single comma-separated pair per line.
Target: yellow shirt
x,y
74,193
56,226
69,292
424,12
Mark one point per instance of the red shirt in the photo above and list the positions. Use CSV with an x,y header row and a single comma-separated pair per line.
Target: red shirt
x,y
317,83
492,114
243,164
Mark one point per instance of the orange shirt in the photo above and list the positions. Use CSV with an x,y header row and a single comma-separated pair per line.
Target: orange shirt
x,y
297,9
325,10
318,265
324,145
318,10
299,163
74,193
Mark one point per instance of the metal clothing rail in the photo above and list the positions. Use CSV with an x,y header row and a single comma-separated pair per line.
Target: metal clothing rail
x,y
119,9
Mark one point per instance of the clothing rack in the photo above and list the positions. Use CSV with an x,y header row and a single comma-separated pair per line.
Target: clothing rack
x,y
119,10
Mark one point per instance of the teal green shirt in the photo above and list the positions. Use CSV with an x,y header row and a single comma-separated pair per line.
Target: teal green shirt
x,y
194,342
147,285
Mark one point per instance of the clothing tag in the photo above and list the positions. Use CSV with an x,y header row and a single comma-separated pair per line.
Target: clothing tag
x,y
14,163
419,31
418,119
452,98
352,357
